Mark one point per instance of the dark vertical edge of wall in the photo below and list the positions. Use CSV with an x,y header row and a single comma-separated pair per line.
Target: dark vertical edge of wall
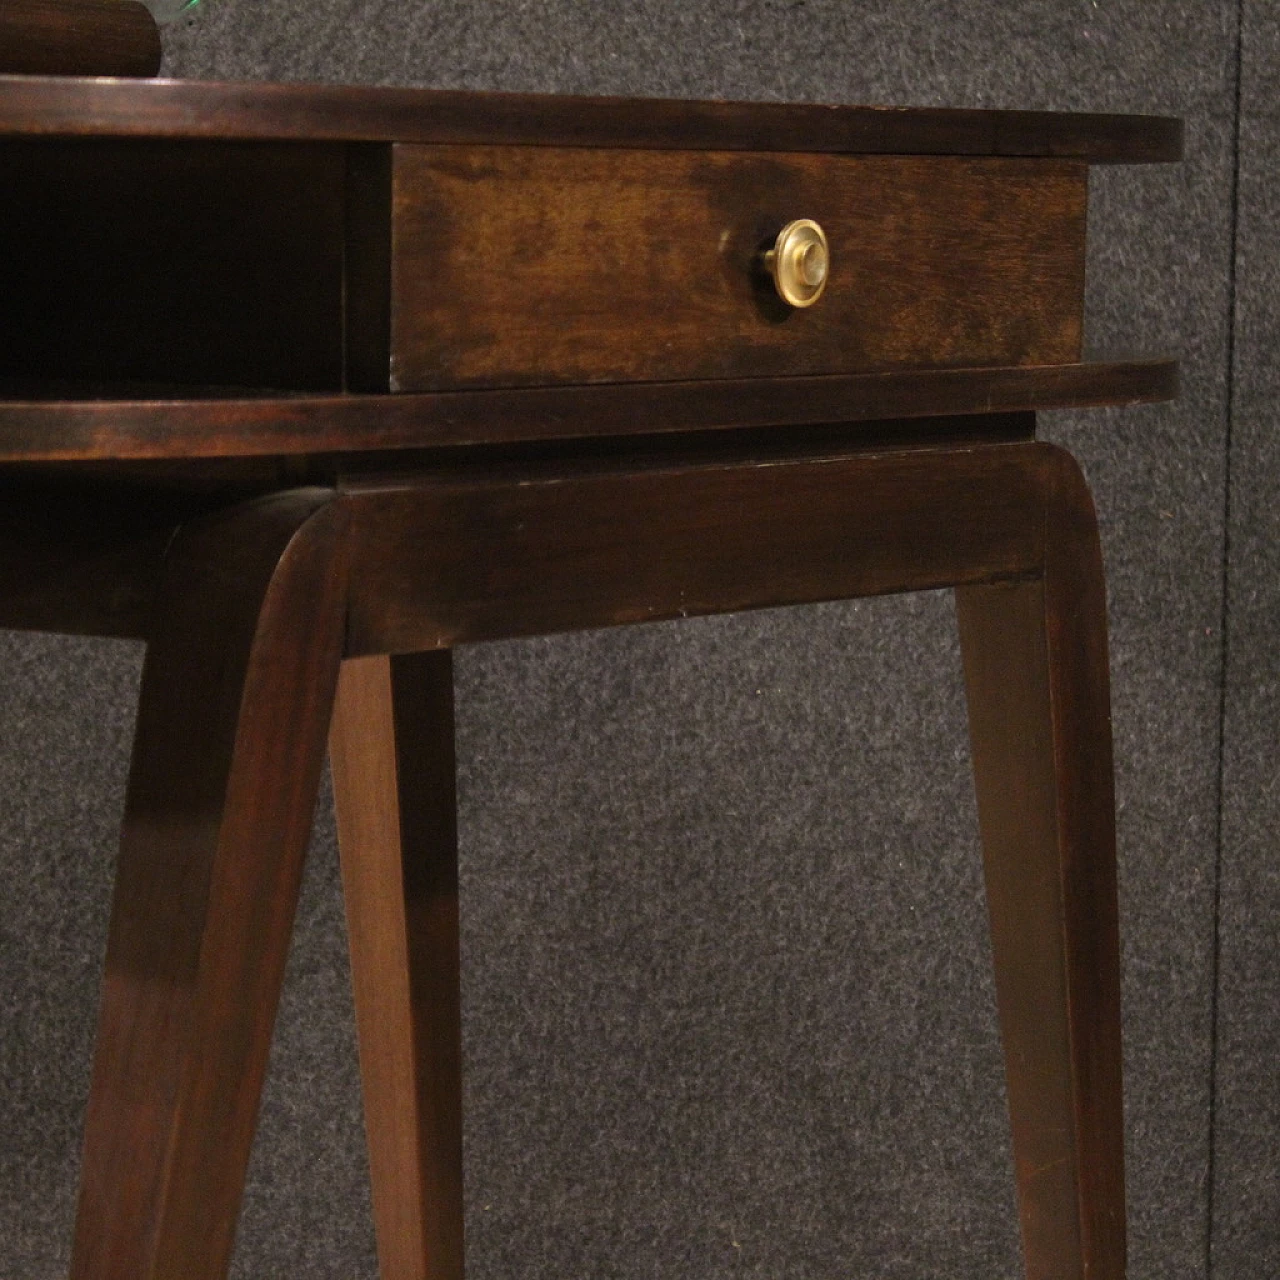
x,y
1224,632
1245,1168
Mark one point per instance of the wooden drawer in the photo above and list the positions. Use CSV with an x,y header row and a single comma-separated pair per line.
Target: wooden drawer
x,y
518,266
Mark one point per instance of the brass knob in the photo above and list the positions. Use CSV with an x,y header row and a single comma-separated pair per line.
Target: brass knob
x,y
799,262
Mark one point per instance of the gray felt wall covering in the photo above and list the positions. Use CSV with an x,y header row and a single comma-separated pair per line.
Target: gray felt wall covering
x,y
1246,1186
726,994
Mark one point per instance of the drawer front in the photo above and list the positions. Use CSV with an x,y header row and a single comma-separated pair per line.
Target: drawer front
x,y
519,266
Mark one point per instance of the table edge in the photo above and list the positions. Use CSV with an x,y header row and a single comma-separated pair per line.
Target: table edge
x,y
101,430
35,106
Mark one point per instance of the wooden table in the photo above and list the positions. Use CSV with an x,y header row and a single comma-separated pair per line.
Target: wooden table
x,y
307,386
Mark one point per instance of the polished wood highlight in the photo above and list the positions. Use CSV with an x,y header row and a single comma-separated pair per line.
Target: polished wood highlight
x,y
345,114
78,38
1035,659
213,299
236,693
651,263
63,429
393,774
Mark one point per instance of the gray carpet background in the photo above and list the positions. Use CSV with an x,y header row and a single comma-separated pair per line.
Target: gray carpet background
x,y
727,1003
1246,1185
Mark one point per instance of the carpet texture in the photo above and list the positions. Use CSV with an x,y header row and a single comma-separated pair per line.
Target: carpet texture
x,y
1246,1188
727,1003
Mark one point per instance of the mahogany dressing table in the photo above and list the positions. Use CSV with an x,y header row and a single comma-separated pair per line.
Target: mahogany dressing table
x,y
307,386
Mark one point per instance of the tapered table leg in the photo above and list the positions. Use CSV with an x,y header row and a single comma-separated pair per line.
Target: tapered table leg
x,y
236,695
1035,658
393,769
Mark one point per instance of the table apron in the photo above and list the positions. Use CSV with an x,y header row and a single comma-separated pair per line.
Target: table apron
x,y
439,562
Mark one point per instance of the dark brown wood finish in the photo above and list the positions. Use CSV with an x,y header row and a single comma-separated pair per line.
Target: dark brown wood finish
x,y
650,263
196,282
81,559
67,430
443,562
393,773
235,702
341,114
85,542
1035,657
78,38
533,547
565,548
367,267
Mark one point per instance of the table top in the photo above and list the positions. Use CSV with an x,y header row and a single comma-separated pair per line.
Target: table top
x,y
189,109
230,425
48,418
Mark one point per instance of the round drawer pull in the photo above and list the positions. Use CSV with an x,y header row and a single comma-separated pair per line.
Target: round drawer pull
x,y
799,262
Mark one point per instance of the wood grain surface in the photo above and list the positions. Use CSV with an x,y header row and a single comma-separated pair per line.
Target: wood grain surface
x,y
236,693
161,296
78,38
85,542
251,618
1035,659
647,264
172,427
1012,526
393,774
450,559
341,114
